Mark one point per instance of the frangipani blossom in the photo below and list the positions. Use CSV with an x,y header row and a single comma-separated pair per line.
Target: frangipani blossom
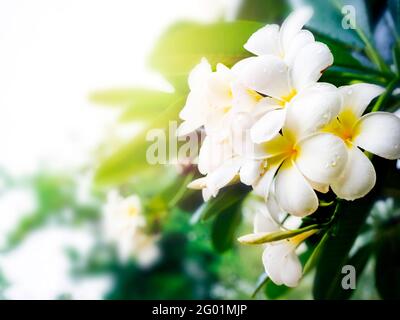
x,y
222,105
283,42
290,63
301,158
212,97
377,133
124,225
280,260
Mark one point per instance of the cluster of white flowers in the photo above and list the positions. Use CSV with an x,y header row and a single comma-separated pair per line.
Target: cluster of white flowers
x,y
124,225
270,124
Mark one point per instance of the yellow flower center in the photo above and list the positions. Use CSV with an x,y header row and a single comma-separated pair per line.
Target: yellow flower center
x,y
286,99
133,211
255,95
344,126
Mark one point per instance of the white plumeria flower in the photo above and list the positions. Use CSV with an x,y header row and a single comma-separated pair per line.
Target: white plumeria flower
x,y
307,159
124,225
280,260
229,109
283,42
377,133
291,62
212,97
224,161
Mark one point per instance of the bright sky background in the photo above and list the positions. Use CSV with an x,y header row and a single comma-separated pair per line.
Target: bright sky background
x,y
53,54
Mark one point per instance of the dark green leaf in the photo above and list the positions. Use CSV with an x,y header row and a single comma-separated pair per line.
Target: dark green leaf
x,y
328,19
352,216
387,269
262,10
394,9
227,198
223,233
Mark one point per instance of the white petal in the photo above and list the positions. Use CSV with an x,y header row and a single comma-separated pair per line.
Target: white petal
x,y
223,175
321,157
309,64
264,223
205,162
243,99
214,151
207,194
320,187
198,77
264,41
358,177
277,146
219,87
311,109
281,263
268,75
196,106
357,97
301,39
274,210
263,186
293,24
273,262
379,133
198,184
187,127
268,126
293,193
250,171
291,272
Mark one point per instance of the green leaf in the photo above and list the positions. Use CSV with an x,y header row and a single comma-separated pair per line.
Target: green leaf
x,y
128,97
263,279
147,108
226,198
262,10
224,228
335,253
394,9
137,103
314,256
131,157
328,18
184,44
387,268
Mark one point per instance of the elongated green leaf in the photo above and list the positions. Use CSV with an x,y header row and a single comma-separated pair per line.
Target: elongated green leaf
x,y
263,279
387,269
184,44
262,10
394,9
330,14
336,250
129,97
226,198
147,108
123,163
224,228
